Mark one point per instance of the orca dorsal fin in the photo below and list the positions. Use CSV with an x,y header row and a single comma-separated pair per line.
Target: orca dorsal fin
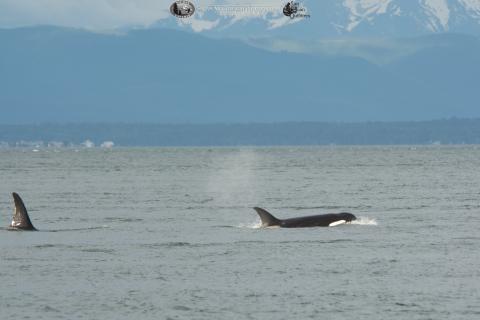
x,y
267,218
20,220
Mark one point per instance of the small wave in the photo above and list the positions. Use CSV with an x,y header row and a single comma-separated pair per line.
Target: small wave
x,y
117,219
60,230
365,221
313,208
181,308
43,246
77,229
50,309
98,250
177,244
166,245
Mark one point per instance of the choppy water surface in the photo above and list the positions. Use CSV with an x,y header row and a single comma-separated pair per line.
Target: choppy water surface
x,y
169,233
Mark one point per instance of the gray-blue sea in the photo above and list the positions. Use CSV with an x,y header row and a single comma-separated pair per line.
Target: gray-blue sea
x,y
169,233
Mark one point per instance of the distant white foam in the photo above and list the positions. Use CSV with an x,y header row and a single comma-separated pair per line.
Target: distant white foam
x,y
88,144
107,144
365,221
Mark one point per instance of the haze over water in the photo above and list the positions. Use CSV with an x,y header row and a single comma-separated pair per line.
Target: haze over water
x,y
169,233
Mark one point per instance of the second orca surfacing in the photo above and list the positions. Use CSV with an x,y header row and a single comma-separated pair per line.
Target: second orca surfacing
x,y
20,220
323,220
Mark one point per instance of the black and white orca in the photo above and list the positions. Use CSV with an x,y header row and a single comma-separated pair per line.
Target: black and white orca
x,y
323,220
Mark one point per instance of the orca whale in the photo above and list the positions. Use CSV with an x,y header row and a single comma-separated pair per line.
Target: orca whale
x,y
323,220
21,220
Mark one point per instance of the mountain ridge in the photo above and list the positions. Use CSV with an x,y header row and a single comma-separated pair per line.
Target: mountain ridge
x,y
64,75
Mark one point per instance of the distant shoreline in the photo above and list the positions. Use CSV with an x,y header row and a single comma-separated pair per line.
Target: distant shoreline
x,y
436,132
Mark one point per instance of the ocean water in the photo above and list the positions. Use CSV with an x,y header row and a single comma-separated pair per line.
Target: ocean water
x,y
169,233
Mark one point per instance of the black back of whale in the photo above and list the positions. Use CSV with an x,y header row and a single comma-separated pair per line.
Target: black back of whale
x,y
21,220
323,220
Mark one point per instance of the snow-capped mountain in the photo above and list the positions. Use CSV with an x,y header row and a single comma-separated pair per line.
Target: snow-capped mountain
x,y
331,18
422,15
